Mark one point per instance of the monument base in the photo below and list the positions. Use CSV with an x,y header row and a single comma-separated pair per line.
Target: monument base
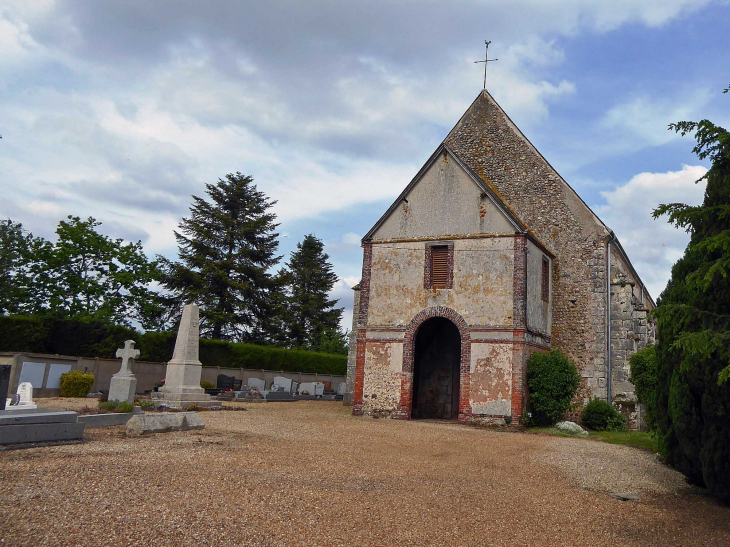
x,y
183,400
122,388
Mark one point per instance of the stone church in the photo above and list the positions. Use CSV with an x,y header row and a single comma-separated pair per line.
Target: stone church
x,y
487,256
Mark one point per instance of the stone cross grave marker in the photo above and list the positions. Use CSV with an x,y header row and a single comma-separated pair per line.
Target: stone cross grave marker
x,y
124,385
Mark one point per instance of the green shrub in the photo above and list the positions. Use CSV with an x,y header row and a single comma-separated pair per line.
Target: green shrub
x,y
207,385
124,406
146,403
552,381
76,383
109,406
643,365
598,415
116,406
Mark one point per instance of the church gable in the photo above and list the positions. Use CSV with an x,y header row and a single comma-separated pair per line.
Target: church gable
x,y
445,199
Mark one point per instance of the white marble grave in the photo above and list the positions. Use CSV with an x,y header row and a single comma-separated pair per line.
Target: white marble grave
x,y
258,384
283,382
25,392
341,387
312,388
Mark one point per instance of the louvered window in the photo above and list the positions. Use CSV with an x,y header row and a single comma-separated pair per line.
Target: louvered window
x,y
439,267
545,279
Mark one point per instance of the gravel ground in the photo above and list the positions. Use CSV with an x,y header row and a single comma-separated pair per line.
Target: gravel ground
x,y
309,473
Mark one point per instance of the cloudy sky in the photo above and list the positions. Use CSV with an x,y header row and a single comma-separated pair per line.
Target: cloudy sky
x,y
122,110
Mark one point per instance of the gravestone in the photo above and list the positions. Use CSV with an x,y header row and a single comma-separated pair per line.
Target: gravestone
x,y
318,388
124,385
309,387
228,382
24,399
4,384
25,392
182,376
341,387
282,382
256,383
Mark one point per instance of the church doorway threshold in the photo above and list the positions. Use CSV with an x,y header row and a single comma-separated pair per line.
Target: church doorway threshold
x,y
436,367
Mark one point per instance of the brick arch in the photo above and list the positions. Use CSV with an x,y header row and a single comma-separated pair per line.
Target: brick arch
x,y
406,391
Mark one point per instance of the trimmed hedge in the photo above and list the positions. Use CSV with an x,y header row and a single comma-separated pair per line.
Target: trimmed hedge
x,y
76,383
83,337
598,415
93,338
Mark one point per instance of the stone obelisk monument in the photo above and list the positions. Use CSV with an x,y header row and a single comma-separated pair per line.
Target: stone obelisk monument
x,y
182,378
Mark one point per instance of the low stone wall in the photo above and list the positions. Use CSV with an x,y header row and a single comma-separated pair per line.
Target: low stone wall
x,y
43,370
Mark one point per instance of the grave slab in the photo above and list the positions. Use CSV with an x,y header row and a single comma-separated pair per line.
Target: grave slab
x,y
35,426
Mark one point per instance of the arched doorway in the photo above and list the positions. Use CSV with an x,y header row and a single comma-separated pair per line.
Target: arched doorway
x,y
436,370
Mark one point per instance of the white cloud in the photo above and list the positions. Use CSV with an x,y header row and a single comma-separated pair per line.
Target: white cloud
x,y
342,291
643,121
351,238
652,245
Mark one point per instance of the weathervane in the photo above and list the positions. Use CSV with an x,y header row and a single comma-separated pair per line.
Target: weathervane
x,y
486,61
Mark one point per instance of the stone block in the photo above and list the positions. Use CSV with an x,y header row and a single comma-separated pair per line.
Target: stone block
x,y
122,388
35,426
37,433
163,423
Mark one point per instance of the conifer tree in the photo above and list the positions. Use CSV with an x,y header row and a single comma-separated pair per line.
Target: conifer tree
x,y
311,312
693,318
226,248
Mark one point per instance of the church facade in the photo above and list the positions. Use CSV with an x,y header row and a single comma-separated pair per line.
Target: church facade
x,y
487,256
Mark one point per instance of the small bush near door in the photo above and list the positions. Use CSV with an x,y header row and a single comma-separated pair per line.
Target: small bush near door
x,y
76,383
552,381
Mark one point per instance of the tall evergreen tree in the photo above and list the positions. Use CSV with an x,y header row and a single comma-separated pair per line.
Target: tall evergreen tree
x,y
693,318
227,247
310,278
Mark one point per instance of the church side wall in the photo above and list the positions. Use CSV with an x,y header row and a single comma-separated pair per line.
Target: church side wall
x,y
490,144
630,331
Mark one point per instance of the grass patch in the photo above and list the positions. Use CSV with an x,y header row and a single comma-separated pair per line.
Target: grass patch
x,y
637,439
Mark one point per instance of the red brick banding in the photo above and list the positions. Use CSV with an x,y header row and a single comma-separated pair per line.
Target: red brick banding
x,y
406,392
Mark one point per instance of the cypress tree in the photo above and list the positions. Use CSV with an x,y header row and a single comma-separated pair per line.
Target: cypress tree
x,y
311,312
693,318
226,248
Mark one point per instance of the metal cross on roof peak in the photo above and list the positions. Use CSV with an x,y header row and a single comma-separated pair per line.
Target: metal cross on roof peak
x,y
486,61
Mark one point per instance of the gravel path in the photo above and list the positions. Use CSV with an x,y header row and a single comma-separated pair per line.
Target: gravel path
x,y
309,473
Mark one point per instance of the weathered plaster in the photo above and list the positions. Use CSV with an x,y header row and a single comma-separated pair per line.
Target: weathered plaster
x,y
446,201
539,312
491,379
482,291
383,364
